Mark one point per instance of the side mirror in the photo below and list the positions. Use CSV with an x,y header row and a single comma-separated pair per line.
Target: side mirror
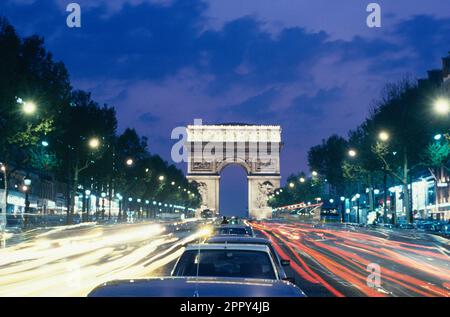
x,y
289,279
285,262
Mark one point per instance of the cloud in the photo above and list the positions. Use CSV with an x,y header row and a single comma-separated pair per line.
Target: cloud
x,y
148,118
256,108
313,67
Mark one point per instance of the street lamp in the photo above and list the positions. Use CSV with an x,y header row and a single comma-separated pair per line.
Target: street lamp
x,y
437,137
129,162
86,204
44,143
314,173
383,136
291,185
94,143
442,106
29,107
161,178
352,153
302,180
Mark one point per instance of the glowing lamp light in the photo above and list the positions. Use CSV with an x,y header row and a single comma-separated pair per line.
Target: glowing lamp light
x,y
29,107
383,136
442,106
161,178
129,162
352,153
94,143
437,137
291,185
314,173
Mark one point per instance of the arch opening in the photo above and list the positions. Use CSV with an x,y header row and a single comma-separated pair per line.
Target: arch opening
x,y
233,190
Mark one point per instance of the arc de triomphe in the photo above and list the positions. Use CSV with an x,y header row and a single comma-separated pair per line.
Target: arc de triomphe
x,y
254,147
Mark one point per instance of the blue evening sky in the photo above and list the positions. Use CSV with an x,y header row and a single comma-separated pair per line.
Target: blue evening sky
x,y
313,67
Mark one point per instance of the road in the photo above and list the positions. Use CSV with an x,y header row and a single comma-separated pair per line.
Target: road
x,y
71,261
335,260
326,260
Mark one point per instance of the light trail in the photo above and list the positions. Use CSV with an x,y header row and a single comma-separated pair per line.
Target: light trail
x,y
71,261
337,259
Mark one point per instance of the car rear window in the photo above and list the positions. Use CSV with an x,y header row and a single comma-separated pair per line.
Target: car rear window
x,y
225,263
237,231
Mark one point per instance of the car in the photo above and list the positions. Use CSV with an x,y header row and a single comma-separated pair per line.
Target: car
x,y
279,262
206,214
406,226
234,230
445,230
196,287
227,260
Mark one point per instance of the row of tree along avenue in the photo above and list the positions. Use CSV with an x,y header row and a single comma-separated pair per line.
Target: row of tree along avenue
x,y
47,126
404,138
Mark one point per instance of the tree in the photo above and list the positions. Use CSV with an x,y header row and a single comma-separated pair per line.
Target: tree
x,y
73,143
436,158
28,78
328,159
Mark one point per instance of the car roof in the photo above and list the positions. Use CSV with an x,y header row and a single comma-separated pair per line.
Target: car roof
x,y
234,226
196,286
227,246
237,239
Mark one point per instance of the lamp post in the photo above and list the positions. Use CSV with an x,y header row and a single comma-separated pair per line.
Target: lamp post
x,y
26,189
357,196
87,195
103,205
342,209
119,215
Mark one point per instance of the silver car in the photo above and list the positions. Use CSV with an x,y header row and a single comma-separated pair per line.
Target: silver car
x,y
196,287
279,262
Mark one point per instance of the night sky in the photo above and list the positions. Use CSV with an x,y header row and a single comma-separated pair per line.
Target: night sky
x,y
313,67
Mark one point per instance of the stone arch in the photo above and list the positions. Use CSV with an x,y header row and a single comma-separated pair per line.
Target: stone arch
x,y
239,162
256,148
